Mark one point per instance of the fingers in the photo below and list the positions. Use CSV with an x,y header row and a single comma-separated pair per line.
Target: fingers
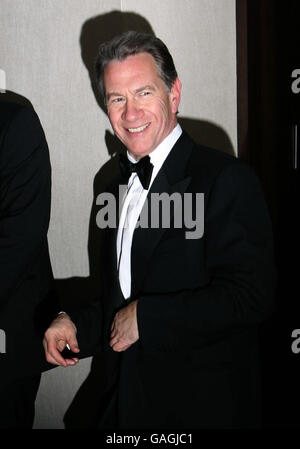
x,y
61,332
49,357
124,331
116,337
72,342
113,341
126,347
71,362
52,354
120,346
53,348
113,334
60,344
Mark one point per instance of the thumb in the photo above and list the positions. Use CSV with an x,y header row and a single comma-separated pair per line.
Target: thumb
x,y
72,341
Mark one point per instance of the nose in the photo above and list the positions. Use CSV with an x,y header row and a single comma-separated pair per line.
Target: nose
x,y
132,110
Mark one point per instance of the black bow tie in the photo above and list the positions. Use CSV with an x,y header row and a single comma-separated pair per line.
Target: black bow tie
x,y
143,168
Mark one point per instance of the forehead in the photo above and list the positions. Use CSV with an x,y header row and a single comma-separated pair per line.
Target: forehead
x,y
131,70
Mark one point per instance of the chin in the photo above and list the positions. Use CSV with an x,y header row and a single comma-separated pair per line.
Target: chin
x,y
138,152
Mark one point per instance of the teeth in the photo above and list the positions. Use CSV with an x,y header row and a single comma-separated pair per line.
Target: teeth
x,y
138,130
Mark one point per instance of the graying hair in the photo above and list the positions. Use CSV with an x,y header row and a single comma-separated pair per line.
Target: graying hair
x,y
131,43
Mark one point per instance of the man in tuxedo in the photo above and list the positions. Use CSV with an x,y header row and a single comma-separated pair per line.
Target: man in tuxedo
x,y
176,327
25,270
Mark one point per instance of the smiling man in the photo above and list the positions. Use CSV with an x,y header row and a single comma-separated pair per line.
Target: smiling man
x,y
176,326
141,110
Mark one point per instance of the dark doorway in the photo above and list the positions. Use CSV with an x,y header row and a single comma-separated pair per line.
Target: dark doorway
x,y
268,71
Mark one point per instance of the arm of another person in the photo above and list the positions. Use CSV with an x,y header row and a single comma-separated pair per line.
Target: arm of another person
x,y
62,332
25,197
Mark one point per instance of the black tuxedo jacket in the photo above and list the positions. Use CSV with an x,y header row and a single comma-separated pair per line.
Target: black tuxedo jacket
x,y
25,270
196,363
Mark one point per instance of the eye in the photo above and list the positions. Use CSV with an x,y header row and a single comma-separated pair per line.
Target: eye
x,y
117,100
144,93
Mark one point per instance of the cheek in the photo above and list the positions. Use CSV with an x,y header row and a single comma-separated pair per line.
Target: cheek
x,y
163,109
114,120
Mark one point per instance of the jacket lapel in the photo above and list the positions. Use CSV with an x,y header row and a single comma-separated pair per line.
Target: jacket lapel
x,y
116,298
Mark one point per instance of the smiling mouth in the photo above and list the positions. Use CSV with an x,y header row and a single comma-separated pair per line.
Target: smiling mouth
x,y
138,130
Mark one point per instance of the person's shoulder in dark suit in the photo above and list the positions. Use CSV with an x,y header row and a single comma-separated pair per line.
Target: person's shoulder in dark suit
x,y
21,133
213,169
211,161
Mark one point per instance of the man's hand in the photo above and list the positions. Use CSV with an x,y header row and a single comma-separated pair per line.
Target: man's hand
x,y
124,330
61,332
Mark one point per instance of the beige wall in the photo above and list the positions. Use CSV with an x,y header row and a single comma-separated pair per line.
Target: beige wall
x,y
40,53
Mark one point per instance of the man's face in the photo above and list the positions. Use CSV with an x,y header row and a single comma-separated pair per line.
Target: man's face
x,y
141,110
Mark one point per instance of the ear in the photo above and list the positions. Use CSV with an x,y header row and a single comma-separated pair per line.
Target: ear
x,y
175,95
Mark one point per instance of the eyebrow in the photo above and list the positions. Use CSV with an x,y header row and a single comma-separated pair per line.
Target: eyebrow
x,y
147,87
113,94
137,91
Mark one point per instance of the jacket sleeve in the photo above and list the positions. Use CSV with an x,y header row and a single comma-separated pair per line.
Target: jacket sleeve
x,y
89,324
239,259
25,190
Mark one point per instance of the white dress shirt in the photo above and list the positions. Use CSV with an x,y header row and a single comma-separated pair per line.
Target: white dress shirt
x,y
132,205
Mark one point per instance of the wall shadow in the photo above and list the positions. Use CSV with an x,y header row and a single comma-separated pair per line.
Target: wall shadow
x,y
73,292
